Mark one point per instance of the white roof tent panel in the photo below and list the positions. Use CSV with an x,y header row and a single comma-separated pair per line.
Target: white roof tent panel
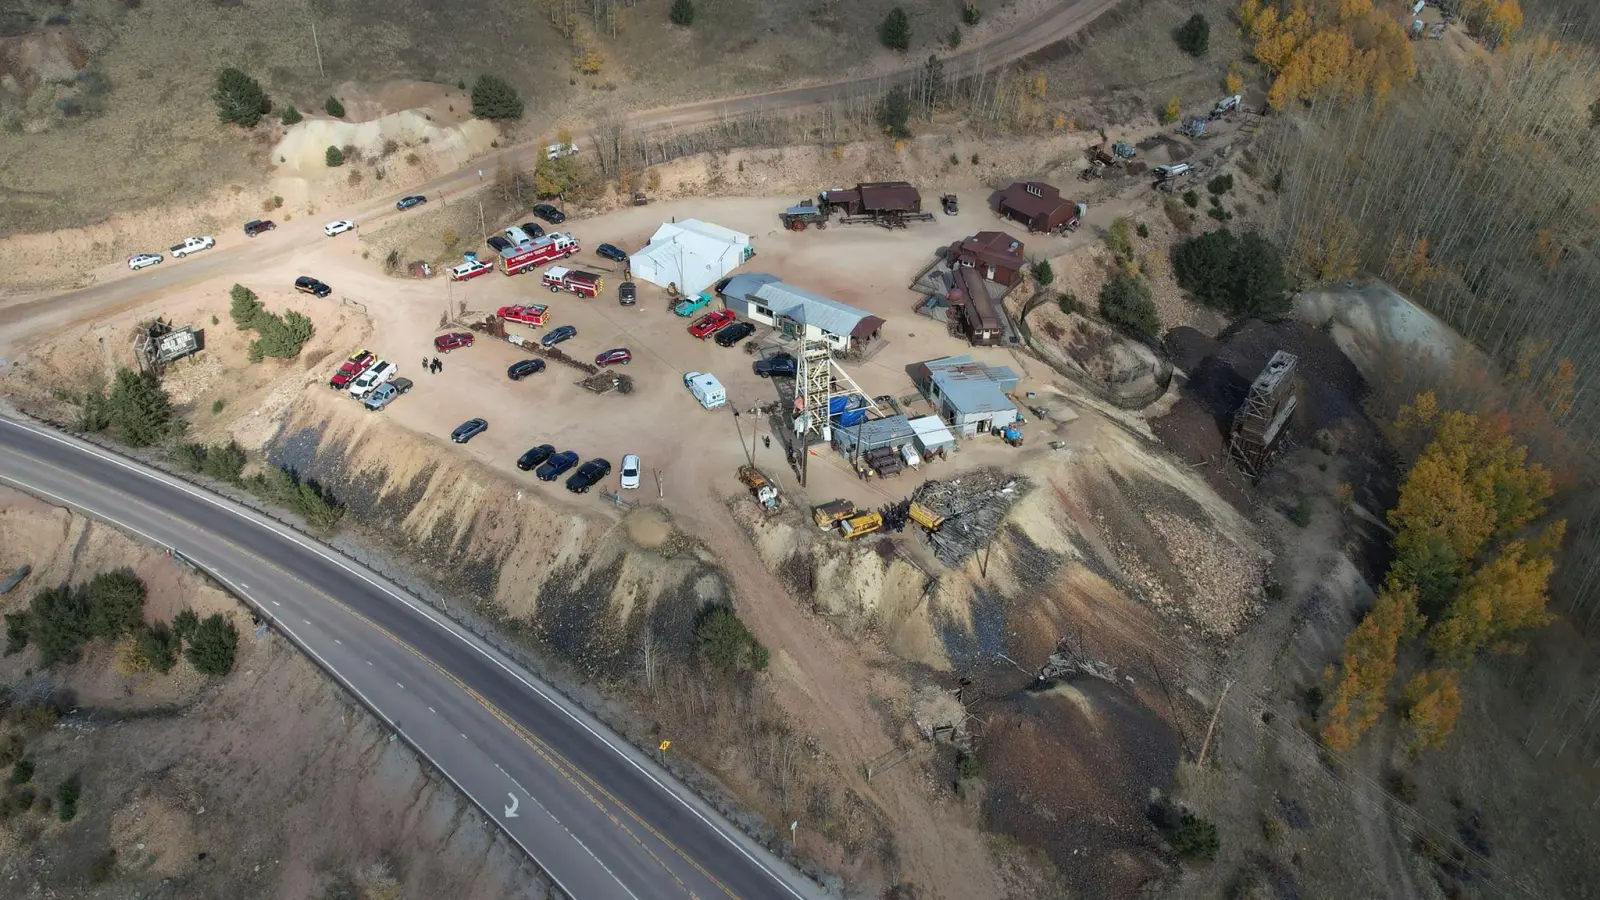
x,y
692,254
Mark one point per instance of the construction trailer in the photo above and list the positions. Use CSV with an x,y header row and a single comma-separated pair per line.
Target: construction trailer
x,y
1262,420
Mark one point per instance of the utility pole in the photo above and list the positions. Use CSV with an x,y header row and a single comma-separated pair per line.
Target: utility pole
x,y
659,492
481,226
318,46
983,561
747,454
1206,744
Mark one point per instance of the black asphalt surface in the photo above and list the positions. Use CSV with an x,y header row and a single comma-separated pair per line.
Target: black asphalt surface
x,y
592,811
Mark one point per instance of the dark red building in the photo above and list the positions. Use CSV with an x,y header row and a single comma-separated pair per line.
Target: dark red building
x,y
995,255
1038,206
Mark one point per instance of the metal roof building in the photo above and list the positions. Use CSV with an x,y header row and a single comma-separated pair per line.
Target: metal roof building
x,y
970,394
890,431
763,298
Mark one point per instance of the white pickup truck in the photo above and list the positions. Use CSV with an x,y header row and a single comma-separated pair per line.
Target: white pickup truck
x,y
192,245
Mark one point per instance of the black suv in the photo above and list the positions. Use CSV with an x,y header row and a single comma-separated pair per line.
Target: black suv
x,y
627,294
468,430
524,368
305,284
779,366
535,456
734,333
533,229
588,475
257,226
549,213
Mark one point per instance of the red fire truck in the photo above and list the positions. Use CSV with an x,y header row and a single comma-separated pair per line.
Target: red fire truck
x,y
584,284
522,257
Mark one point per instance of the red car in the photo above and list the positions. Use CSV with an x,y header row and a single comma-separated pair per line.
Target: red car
x,y
614,357
351,369
532,314
444,343
710,322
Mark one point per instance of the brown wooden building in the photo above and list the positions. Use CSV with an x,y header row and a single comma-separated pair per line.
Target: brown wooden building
x,y
875,199
995,255
1038,206
973,310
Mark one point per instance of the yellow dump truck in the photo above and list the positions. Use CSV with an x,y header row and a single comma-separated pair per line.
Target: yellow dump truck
x,y
829,514
924,516
861,524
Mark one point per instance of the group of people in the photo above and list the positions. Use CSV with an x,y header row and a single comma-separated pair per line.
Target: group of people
x,y
432,365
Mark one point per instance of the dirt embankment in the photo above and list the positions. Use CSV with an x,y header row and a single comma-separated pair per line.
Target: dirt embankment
x,y
193,786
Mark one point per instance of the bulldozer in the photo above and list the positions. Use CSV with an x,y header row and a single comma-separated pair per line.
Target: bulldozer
x,y
766,493
861,524
829,514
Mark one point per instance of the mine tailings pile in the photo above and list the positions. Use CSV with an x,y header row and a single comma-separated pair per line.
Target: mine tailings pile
x,y
973,508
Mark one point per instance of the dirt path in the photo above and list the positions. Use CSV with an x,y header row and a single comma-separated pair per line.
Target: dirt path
x,y
827,683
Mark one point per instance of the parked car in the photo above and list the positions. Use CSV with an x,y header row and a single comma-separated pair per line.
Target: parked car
x,y
192,245
557,335
627,294
468,430
384,394
351,368
516,235
588,475
338,226
556,151
407,202
535,456
611,252
616,356
444,343
704,326
499,244
549,213
305,284
523,368
688,306
555,465
381,372
780,366
734,333
534,229
468,270
257,226
142,260
629,479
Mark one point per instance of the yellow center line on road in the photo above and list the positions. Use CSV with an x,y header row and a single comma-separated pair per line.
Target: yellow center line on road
x,y
554,758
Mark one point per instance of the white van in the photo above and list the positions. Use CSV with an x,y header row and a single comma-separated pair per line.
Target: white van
x,y
517,236
706,388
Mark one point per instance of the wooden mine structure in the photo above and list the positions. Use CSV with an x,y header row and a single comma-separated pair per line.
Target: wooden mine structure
x,y
1261,421
891,204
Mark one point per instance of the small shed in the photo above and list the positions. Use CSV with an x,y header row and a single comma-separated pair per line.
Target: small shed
x,y
932,435
893,432
1037,205
995,255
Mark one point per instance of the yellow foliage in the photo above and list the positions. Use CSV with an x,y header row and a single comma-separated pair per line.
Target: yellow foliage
x,y
1559,387
838,151
1432,701
589,59
564,137
1058,122
1344,494
899,145
653,180
1368,666
1169,113
1341,50
1496,21
1505,596
1233,82
1038,86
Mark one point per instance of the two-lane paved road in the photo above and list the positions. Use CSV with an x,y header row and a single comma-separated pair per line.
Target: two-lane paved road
x,y
595,814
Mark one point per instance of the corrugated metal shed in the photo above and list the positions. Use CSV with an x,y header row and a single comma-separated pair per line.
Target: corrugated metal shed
x,y
971,387
890,431
801,305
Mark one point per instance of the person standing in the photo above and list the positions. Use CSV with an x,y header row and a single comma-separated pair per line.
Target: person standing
x,y
424,362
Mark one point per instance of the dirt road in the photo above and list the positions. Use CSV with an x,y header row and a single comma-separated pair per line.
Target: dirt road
x,y
39,313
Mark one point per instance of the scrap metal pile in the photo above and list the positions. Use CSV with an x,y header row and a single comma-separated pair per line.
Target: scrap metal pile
x,y
973,506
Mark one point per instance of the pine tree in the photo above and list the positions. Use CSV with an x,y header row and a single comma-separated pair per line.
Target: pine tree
x,y
494,98
212,649
1194,36
139,410
682,13
240,99
895,32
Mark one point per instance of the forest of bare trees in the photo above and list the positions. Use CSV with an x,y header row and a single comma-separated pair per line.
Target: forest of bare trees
x,y
1469,190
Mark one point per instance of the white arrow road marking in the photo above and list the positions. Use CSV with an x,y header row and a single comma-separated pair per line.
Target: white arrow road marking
x,y
511,811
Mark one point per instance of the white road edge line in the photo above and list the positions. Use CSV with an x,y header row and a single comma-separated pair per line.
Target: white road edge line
x,y
427,612
334,673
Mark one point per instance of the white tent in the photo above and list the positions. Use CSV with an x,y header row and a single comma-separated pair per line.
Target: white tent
x,y
692,254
